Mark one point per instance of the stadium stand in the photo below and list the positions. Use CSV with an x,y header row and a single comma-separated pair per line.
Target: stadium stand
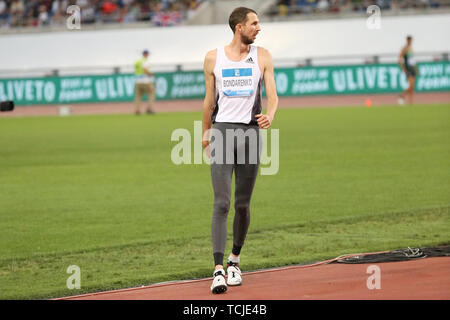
x,y
16,14
315,7
41,13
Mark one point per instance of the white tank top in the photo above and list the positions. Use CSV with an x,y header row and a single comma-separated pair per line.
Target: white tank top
x,y
238,88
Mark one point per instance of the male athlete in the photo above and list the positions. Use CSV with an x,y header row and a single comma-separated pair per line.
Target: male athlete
x,y
408,65
231,120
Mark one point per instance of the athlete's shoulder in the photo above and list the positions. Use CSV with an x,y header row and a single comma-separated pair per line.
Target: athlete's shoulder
x,y
404,49
264,53
210,60
263,50
265,57
211,55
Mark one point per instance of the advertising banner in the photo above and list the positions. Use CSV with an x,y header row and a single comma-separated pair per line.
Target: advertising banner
x,y
320,80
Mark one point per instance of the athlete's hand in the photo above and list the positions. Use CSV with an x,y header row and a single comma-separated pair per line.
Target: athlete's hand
x,y
208,151
206,147
264,121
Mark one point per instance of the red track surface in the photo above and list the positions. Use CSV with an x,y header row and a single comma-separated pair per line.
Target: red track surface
x,y
196,105
422,279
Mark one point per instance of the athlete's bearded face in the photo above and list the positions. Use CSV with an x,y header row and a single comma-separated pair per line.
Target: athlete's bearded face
x,y
250,29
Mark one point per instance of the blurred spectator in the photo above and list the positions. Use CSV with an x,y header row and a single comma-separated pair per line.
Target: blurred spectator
x,y
4,14
17,10
43,17
305,6
109,10
344,6
437,3
31,13
358,5
87,11
335,5
189,7
55,14
323,5
131,13
283,7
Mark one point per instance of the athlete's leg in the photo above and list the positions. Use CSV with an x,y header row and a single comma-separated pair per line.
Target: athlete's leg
x,y
412,83
221,174
221,179
405,94
245,177
137,98
151,97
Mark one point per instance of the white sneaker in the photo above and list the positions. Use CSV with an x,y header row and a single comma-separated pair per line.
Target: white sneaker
x,y
234,276
218,285
401,101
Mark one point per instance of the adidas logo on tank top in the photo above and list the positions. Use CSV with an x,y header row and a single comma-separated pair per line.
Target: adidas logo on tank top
x,y
249,60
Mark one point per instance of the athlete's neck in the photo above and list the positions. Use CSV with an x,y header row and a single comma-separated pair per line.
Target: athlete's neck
x,y
237,47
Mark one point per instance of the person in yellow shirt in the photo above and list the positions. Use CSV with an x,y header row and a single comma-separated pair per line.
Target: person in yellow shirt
x,y
144,83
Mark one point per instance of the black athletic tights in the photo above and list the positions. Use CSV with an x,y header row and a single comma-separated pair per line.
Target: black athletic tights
x,y
238,151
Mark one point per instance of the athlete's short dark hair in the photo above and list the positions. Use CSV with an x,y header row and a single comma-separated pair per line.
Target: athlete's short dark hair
x,y
239,15
409,37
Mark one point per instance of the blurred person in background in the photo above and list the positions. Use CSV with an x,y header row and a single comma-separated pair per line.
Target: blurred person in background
x,y
17,10
31,13
4,14
124,7
323,5
166,14
189,7
345,6
307,6
408,64
43,17
109,11
358,6
132,12
87,11
144,84
423,3
55,13
284,7
335,5
437,3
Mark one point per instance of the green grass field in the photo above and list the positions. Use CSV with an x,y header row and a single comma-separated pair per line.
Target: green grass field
x,y
101,192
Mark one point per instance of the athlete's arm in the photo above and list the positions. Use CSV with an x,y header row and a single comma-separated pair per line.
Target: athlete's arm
x,y
265,120
148,72
208,102
400,59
